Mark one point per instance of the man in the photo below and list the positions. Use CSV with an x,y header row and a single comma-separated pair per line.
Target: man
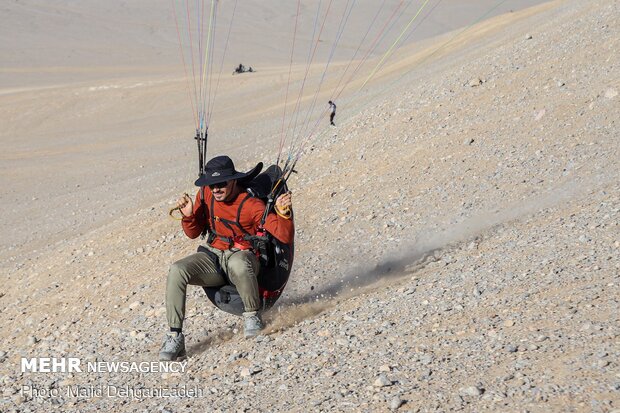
x,y
332,109
229,213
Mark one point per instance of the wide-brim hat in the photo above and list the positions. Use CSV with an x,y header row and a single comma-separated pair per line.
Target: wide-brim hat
x,y
222,169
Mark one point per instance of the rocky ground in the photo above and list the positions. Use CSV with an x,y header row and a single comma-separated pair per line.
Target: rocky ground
x,y
458,249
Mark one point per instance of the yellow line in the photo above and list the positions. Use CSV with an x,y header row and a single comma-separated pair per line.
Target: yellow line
x,y
394,44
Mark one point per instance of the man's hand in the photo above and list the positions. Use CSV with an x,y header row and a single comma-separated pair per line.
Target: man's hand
x,y
284,203
186,205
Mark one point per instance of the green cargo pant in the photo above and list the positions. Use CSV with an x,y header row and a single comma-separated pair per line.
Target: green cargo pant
x,y
241,268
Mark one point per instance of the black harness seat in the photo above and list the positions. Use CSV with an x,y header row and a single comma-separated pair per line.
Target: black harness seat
x,y
276,258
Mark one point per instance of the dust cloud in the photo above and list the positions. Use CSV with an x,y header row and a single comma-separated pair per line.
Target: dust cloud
x,y
411,257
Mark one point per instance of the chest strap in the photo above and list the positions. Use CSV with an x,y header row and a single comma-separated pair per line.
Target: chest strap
x,y
228,224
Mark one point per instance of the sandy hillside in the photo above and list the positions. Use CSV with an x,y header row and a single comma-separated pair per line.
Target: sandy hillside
x,y
95,93
458,246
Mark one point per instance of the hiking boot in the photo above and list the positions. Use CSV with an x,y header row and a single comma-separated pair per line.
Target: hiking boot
x,y
252,324
173,347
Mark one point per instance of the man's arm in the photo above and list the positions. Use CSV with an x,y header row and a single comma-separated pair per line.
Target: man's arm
x,y
195,223
281,225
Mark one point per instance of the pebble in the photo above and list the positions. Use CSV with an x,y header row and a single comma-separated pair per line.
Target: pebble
x,y
511,348
382,381
470,391
342,342
475,82
31,340
611,93
396,402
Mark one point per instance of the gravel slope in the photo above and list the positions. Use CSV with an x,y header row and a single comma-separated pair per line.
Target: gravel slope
x,y
458,250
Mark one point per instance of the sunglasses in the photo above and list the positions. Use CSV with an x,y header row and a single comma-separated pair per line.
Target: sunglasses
x,y
219,185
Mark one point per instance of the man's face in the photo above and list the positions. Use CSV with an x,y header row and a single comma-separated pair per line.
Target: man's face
x,y
221,191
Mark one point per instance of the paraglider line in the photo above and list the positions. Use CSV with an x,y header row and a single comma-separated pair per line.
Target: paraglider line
x,y
189,94
288,82
217,85
394,44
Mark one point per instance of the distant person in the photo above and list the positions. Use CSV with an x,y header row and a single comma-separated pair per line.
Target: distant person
x,y
229,213
239,69
332,114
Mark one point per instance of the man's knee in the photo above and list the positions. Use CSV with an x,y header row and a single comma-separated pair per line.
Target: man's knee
x,y
178,275
243,264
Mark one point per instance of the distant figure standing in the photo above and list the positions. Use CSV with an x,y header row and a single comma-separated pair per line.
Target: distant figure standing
x,y
332,115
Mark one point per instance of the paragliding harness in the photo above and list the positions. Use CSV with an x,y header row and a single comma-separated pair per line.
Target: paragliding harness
x,y
275,257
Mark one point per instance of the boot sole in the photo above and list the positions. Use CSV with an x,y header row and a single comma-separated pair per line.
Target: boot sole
x,y
180,357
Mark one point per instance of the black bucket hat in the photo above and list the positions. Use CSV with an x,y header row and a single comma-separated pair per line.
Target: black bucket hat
x,y
222,169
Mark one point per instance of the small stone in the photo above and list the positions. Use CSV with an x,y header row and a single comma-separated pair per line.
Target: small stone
x,y
31,341
245,372
511,348
342,342
385,368
395,403
561,83
528,37
426,359
470,391
2,354
382,381
19,400
324,333
475,82
509,323
611,93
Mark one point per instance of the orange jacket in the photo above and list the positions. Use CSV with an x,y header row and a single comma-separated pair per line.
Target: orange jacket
x,y
251,213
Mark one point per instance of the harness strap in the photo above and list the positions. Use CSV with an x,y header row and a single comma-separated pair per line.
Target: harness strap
x,y
228,223
204,213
